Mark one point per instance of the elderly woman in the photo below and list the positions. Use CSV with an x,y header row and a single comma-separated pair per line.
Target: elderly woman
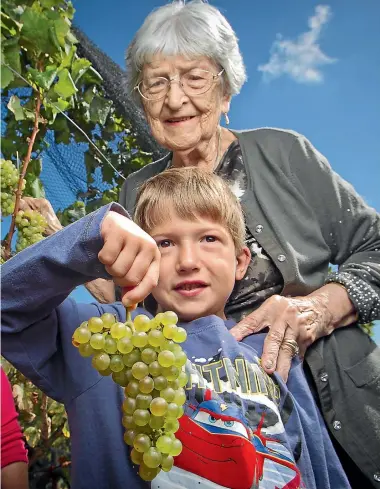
x,y
184,66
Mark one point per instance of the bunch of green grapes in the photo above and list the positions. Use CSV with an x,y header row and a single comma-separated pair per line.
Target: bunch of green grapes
x,y
30,226
9,177
145,357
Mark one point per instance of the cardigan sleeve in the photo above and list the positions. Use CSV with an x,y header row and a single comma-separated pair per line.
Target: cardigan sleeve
x,y
350,227
12,443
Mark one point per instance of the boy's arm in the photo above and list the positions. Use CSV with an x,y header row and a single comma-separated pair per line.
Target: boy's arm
x,y
37,321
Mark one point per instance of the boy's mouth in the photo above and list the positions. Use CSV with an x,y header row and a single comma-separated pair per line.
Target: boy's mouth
x,y
190,288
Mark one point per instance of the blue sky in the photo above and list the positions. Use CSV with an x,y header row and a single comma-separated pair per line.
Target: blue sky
x,y
312,67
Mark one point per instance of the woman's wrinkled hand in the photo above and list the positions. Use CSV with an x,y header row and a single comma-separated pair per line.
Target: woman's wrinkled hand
x,y
291,322
44,207
130,256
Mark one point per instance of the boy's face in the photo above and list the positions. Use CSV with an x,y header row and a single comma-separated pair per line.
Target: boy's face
x,y
198,267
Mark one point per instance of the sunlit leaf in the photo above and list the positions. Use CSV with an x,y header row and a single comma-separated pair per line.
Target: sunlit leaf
x,y
79,67
99,109
6,76
33,187
32,435
14,105
35,31
65,86
61,29
45,78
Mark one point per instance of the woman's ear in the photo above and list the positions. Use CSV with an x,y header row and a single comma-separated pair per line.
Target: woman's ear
x,y
226,102
242,261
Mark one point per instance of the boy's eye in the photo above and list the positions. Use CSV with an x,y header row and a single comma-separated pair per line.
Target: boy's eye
x,y
210,239
165,243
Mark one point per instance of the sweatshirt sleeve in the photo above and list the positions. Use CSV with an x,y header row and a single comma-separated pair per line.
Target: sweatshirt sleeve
x,y
38,318
350,227
12,443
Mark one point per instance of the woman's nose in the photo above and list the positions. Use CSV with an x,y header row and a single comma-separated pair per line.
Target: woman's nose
x,y
175,97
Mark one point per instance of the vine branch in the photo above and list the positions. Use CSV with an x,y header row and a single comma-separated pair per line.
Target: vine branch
x,y
8,243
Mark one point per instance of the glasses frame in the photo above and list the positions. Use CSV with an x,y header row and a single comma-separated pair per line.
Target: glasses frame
x,y
178,77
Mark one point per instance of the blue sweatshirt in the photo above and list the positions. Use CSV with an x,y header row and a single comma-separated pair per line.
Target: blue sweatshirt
x,y
241,429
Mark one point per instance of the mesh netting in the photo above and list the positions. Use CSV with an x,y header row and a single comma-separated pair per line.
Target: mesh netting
x,y
63,165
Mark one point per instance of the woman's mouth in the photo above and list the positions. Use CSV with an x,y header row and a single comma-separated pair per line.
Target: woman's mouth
x,y
173,121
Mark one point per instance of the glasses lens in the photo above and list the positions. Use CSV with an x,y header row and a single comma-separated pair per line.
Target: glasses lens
x,y
196,81
154,88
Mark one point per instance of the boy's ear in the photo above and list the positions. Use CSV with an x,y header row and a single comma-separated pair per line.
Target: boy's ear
x,y
242,261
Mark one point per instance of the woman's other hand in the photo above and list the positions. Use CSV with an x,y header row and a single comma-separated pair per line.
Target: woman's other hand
x,y
295,323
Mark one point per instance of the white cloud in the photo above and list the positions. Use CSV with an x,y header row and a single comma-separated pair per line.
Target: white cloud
x,y
302,58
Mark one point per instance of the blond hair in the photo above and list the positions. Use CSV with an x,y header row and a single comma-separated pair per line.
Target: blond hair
x,y
191,193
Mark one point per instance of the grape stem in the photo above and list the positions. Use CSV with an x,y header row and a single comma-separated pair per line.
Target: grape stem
x,y
8,243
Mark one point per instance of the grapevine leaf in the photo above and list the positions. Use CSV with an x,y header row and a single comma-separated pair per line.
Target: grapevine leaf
x,y
70,10
6,76
92,77
14,105
32,435
66,430
35,30
61,29
68,57
45,78
35,166
65,86
99,109
11,54
79,67
33,186
50,3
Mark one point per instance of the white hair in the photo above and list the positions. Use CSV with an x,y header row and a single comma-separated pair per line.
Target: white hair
x,y
190,29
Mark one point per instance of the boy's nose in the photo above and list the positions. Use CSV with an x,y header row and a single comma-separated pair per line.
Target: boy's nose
x,y
187,259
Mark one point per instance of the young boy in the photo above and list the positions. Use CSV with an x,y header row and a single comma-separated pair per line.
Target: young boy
x,y
241,429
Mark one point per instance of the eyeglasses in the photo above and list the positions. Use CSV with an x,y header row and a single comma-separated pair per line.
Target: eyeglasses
x,y
194,82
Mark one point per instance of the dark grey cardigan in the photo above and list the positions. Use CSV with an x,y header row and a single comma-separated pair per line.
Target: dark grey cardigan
x,y
305,217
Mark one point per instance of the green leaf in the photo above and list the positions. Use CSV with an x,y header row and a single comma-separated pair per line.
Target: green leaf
x,y
35,31
45,78
92,77
14,105
32,435
50,3
61,29
6,77
11,54
70,10
33,186
65,86
79,67
99,110
68,57
35,167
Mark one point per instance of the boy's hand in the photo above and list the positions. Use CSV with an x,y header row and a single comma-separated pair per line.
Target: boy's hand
x,y
130,256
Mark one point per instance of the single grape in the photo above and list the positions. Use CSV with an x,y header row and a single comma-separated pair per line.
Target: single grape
x,y
173,410
129,437
97,341
160,382
124,345
106,372
146,385
167,463
143,401
131,358
171,426
155,338
182,379
169,331
171,373
156,422
141,417
101,361
174,384
154,369
128,423
176,447
180,412
147,474
140,339
169,318
95,325
180,397
180,358
139,370
116,364
110,345
86,350
158,406
164,444
120,378
136,457
108,320
168,394
142,323
118,330
159,318
132,389
152,458
129,405
148,355
166,358
82,335
180,335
